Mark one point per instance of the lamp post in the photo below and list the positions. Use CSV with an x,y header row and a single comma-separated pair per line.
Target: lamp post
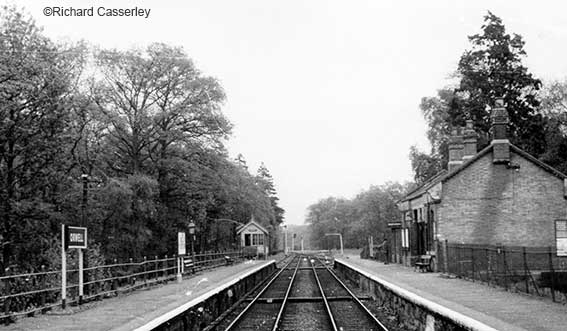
x,y
192,239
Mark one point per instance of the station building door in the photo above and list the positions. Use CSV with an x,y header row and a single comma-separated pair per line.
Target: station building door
x,y
423,230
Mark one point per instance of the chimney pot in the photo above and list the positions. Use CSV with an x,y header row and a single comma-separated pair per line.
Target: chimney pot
x,y
500,142
470,140
456,148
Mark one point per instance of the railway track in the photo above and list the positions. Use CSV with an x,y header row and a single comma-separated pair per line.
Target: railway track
x,y
303,295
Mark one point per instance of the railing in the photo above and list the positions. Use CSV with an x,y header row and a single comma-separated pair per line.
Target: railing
x,y
27,294
534,270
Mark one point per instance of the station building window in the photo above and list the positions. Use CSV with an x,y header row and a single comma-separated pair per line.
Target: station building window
x,y
257,239
561,237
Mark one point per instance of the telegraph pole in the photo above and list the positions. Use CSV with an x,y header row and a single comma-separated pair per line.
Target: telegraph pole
x,y
285,239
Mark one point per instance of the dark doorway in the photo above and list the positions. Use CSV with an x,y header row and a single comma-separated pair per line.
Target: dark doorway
x,y
421,238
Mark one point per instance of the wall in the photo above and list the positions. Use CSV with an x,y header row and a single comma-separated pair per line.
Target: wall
x,y
489,203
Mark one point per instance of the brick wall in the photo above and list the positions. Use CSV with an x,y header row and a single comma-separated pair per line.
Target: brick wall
x,y
488,203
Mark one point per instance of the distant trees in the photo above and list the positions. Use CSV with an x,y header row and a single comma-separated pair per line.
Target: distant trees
x,y
554,109
356,219
127,143
491,69
266,183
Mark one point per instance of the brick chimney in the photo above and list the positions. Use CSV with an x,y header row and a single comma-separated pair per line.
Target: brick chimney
x,y
500,142
469,136
456,148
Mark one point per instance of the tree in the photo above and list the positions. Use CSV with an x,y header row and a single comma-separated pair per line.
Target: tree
x,y
554,107
328,215
554,102
493,69
266,184
367,214
424,165
36,80
155,101
241,161
135,144
164,119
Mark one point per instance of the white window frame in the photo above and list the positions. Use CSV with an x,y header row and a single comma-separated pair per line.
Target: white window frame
x,y
561,237
405,238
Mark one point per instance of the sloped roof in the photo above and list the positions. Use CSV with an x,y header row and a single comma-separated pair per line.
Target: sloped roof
x,y
516,150
444,175
420,190
243,227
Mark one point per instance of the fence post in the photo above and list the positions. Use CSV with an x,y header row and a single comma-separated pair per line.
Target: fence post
x,y
459,264
165,263
114,280
7,301
156,267
505,268
445,257
174,263
145,271
526,269
131,280
472,262
488,265
42,284
552,273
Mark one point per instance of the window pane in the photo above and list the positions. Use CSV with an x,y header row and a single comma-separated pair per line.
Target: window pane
x,y
561,228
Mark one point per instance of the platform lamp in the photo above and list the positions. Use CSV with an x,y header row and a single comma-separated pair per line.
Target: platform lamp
x,y
192,239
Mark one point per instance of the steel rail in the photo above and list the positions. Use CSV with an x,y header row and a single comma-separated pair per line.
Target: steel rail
x,y
331,317
280,313
355,298
223,316
243,312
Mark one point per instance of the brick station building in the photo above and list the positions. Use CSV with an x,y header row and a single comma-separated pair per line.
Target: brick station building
x,y
498,196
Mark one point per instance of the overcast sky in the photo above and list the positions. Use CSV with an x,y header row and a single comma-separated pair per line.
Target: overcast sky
x,y
325,93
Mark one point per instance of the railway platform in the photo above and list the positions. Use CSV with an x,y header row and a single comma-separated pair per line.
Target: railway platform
x,y
497,308
131,311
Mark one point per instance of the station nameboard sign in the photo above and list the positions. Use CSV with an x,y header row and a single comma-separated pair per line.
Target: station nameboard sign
x,y
75,237
181,243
